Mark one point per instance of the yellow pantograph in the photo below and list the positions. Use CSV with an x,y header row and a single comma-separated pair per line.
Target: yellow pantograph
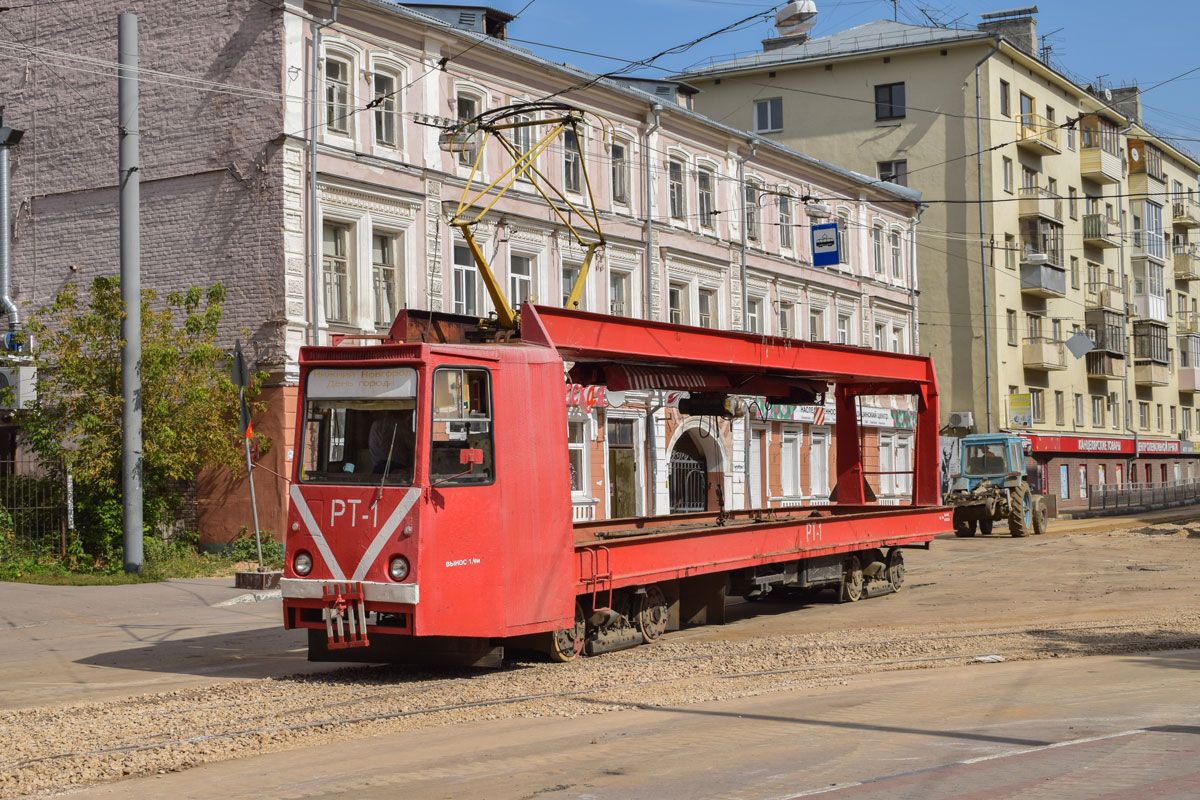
x,y
468,141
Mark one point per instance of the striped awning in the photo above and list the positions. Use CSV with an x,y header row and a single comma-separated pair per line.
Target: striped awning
x,y
624,377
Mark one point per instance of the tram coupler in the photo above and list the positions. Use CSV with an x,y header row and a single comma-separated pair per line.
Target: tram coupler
x,y
345,615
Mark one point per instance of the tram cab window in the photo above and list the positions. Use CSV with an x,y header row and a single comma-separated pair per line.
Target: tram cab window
x,y
462,420
360,426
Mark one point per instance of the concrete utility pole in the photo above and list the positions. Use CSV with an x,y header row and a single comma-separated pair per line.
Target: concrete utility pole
x,y
131,289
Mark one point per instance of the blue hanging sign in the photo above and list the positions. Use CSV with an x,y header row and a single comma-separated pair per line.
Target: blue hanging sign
x,y
825,245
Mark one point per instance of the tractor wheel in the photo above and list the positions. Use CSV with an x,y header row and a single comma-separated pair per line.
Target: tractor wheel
x,y
985,526
1039,517
1016,511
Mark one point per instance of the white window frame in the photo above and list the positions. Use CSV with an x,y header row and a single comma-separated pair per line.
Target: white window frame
x,y
349,258
394,105
396,240
705,206
530,281
464,159
773,106
342,113
619,171
787,237
578,417
677,188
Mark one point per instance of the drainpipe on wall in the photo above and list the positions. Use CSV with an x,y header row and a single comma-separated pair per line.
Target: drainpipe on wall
x,y
912,275
647,188
8,137
314,219
1128,409
983,265
745,216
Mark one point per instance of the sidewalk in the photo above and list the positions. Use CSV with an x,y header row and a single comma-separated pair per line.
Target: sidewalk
x,y
70,643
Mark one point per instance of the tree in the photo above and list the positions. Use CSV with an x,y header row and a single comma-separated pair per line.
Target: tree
x,y
189,404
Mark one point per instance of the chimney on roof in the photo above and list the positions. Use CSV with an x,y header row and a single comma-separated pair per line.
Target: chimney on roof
x,y
1017,25
1128,100
793,23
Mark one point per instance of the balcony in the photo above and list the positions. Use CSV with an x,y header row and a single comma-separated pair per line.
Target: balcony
x,y
1189,379
1187,262
1185,214
1104,365
1187,322
1035,201
1105,295
1040,352
1099,165
1101,231
1106,329
1150,373
1150,307
1148,243
1043,280
1037,134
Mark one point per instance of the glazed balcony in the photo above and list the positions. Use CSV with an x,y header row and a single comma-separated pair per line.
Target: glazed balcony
x,y
1043,280
1187,262
1101,231
1185,214
1105,295
1044,353
1098,165
1036,201
1104,365
1189,379
1150,373
1037,134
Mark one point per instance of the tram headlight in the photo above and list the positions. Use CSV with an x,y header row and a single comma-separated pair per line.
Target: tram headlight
x,y
302,563
398,568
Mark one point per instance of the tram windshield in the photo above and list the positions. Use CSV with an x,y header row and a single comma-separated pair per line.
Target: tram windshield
x,y
359,426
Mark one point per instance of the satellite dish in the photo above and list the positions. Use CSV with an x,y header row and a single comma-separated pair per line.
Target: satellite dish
x,y
796,18
1108,95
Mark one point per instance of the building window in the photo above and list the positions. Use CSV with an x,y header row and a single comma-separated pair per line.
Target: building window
x,y
467,108
1074,272
877,248
751,214
572,163
1005,99
620,172
1073,202
1144,416
1037,405
384,268
707,301
704,187
785,222
754,315
1079,409
880,331
677,304
1011,318
816,325
893,172
335,270
570,273
768,115
337,95
466,290
897,260
789,464
843,227
1007,171
845,329
1071,137
618,293
1159,416
577,441
1010,250
1058,409
787,316
1098,411
520,280
889,101
675,170
387,120
522,141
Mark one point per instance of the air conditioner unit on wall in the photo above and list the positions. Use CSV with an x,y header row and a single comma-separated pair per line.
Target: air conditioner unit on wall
x,y
962,419
22,380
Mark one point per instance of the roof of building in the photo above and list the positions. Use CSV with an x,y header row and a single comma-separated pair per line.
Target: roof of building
x,y
902,194
873,36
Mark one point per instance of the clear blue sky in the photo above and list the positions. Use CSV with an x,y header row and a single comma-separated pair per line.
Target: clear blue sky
x,y
1142,43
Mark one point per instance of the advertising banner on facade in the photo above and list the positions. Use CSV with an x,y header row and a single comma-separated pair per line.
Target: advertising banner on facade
x,y
1020,411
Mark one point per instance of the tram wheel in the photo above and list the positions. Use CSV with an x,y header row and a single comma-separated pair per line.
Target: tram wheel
x,y
895,568
652,616
852,580
567,644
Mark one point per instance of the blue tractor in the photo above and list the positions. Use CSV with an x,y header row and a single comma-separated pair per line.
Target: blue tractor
x,y
993,486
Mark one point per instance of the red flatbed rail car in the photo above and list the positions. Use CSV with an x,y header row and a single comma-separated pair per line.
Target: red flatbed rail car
x,y
431,514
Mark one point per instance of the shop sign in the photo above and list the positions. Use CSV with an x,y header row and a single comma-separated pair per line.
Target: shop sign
x,y
585,397
1164,446
1080,444
1187,447
868,416
1020,410
902,418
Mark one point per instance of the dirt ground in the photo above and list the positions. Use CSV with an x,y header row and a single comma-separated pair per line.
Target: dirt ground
x,y
1074,592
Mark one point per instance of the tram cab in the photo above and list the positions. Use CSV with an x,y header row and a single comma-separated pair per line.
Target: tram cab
x,y
428,478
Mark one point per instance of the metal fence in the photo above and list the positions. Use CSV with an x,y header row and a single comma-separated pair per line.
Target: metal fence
x,y
36,504
1137,496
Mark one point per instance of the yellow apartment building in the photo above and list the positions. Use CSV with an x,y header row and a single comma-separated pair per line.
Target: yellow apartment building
x,y
1052,211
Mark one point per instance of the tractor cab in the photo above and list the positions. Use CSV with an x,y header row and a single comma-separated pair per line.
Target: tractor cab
x,y
993,457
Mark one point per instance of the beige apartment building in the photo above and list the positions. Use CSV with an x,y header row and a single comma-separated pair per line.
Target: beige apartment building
x,y
1051,211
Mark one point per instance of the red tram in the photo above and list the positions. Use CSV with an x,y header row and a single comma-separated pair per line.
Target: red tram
x,y
431,514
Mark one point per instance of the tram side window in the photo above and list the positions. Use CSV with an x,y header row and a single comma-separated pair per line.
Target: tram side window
x,y
462,420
